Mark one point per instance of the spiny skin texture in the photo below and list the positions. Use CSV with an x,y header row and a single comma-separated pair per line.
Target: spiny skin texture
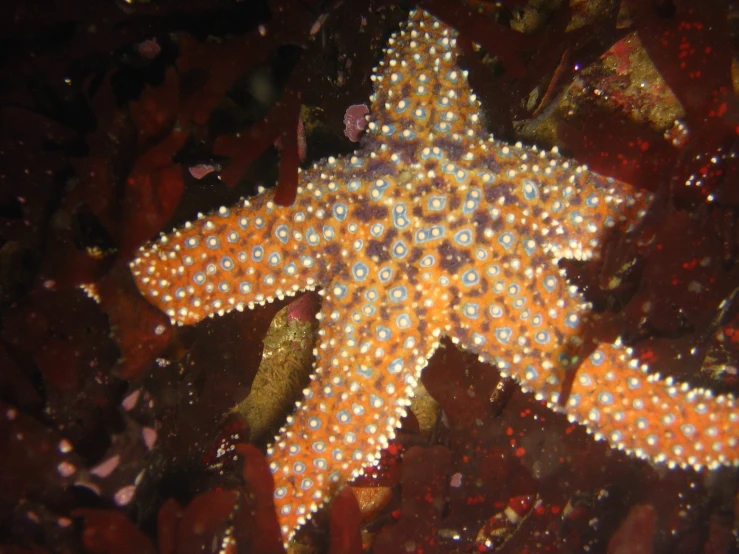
x,y
431,229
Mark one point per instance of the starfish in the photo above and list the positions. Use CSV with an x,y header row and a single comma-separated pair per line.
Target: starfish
x,y
431,229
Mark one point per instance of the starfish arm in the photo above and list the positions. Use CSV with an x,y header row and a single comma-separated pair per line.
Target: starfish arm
x,y
369,355
248,254
652,417
523,316
421,94
437,115
532,326
551,202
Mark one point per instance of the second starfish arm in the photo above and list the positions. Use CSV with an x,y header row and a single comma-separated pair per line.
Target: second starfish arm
x,y
369,356
247,254
653,417
535,334
552,200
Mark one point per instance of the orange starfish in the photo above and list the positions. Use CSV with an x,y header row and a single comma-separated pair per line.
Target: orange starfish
x,y
432,228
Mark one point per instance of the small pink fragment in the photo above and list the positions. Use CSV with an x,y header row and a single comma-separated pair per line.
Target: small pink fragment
x,y
150,437
105,468
64,522
66,469
201,170
355,121
318,24
456,480
149,49
303,309
124,495
130,401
